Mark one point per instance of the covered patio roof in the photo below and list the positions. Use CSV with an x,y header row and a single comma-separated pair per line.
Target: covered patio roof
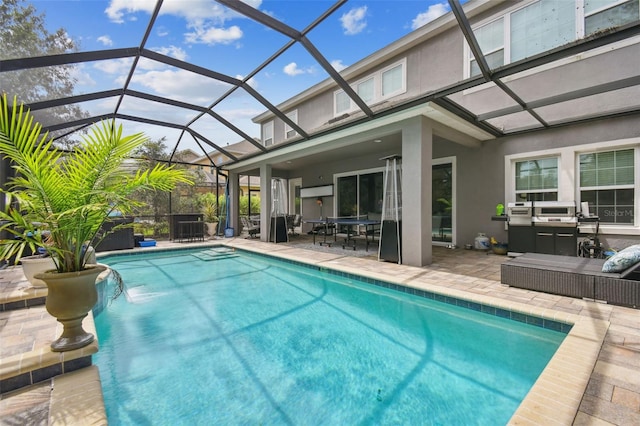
x,y
523,110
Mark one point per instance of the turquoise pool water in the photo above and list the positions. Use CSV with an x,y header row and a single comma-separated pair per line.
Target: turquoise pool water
x,y
246,339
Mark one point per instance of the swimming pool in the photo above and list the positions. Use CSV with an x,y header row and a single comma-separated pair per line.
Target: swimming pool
x,y
246,339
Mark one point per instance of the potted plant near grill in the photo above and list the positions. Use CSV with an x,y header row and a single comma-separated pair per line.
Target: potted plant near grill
x,y
68,196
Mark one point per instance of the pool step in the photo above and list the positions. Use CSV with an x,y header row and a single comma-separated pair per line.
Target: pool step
x,y
139,295
216,253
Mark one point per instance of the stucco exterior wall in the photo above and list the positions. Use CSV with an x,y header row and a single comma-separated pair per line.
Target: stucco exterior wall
x,y
481,172
323,174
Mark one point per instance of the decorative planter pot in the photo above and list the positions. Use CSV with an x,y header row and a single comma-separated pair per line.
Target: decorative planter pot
x,y
32,265
70,298
212,227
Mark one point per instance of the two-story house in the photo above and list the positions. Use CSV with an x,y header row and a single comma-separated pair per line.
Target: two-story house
x,y
533,100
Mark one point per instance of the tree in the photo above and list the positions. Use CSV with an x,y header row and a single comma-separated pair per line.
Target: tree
x,y
150,154
23,35
183,199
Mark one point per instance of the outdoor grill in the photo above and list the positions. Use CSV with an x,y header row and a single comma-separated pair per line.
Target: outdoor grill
x,y
549,227
520,213
555,213
520,228
556,227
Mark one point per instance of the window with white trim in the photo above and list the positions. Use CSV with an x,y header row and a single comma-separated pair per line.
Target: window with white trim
x,y
393,81
289,132
267,133
537,179
366,90
543,25
342,103
607,183
491,40
385,83
605,14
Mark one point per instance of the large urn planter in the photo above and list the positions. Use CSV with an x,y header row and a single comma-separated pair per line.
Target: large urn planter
x,y
70,297
32,265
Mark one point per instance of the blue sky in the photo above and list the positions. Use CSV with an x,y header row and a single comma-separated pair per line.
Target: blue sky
x,y
209,35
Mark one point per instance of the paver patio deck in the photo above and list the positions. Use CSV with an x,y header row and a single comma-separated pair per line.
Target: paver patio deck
x,y
612,395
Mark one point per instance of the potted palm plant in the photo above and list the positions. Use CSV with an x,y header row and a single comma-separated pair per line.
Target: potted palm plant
x,y
208,207
59,201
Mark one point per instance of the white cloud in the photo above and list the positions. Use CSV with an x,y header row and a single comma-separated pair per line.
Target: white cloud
x,y
214,35
82,76
117,9
292,69
173,51
182,85
145,64
434,11
354,21
162,32
240,113
105,40
114,66
205,18
338,65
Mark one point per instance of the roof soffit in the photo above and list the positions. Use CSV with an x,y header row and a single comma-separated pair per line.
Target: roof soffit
x,y
444,123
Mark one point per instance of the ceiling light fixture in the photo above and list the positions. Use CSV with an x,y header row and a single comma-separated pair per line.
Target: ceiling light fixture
x,y
377,140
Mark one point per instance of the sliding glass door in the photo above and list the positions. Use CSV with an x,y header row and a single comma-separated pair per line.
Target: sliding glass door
x,y
295,202
442,202
360,194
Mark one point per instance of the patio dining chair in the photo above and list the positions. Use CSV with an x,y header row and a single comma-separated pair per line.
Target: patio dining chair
x,y
252,229
293,221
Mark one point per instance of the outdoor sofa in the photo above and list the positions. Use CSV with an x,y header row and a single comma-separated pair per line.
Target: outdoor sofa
x,y
573,276
120,239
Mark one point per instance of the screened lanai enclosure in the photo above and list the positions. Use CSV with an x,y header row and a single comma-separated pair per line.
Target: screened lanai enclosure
x,y
198,92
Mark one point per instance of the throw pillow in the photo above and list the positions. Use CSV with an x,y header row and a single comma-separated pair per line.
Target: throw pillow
x,y
623,259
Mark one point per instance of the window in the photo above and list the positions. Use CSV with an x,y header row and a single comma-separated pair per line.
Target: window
x,y
393,81
604,14
288,131
267,133
537,179
545,24
388,82
342,103
607,184
366,90
491,40
541,26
